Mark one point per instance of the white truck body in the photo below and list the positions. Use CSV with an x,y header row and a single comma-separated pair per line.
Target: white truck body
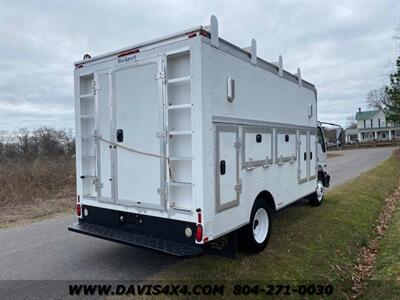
x,y
158,123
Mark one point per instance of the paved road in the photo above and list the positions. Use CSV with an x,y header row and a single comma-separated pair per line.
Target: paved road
x,y
46,250
352,163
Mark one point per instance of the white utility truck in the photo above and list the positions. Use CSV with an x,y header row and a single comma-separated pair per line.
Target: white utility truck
x,y
185,139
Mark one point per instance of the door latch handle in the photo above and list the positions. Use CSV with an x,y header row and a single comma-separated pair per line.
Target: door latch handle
x,y
120,135
222,167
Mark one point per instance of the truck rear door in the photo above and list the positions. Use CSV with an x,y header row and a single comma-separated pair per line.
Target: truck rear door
x,y
138,174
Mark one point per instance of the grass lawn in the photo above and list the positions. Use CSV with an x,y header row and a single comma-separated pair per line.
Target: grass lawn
x,y
385,280
307,243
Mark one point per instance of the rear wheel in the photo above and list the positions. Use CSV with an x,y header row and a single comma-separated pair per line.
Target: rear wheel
x,y
256,233
317,197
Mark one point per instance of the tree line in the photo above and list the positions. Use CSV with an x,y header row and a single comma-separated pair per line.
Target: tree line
x,y
37,142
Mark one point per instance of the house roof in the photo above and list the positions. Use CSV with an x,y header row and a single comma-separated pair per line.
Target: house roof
x,y
364,115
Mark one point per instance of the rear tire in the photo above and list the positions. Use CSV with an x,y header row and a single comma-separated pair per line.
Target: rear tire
x,y
316,198
256,234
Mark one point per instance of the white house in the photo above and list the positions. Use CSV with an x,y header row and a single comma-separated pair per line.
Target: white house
x,y
372,125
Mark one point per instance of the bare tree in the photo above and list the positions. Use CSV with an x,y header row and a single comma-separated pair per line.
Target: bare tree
x,y
2,141
49,140
377,99
42,141
69,143
24,140
351,123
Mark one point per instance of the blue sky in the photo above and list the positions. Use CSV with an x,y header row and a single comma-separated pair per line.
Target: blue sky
x,y
345,48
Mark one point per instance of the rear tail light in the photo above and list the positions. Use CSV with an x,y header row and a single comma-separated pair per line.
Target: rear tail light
x,y
78,210
199,233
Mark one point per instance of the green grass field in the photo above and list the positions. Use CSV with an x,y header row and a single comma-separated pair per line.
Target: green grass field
x,y
311,244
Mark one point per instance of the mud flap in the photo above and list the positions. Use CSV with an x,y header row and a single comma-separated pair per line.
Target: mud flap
x,y
226,246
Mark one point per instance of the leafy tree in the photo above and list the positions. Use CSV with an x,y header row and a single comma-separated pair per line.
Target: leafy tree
x,y
392,110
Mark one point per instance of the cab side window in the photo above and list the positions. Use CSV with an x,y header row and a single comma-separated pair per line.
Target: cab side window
x,y
321,139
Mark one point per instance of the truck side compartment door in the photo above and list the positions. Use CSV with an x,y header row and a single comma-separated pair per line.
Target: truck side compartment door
x,y
303,157
312,154
228,185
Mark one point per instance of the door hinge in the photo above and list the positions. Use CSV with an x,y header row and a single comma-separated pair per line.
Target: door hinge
x,y
97,184
160,75
95,87
237,145
161,191
238,186
161,134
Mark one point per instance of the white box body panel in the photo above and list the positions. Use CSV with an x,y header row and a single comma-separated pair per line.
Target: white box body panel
x,y
216,131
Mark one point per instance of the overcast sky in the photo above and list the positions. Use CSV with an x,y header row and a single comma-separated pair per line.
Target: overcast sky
x,y
344,48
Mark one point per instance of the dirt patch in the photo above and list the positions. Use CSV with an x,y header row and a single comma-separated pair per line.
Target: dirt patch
x,y
35,210
366,261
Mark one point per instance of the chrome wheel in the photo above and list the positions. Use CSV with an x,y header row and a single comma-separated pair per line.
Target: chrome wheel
x,y
320,190
260,225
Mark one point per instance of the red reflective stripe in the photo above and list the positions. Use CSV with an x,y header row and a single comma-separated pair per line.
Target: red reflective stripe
x,y
128,52
199,217
205,239
204,33
191,35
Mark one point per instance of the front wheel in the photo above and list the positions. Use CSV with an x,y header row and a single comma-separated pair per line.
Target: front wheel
x,y
317,197
256,233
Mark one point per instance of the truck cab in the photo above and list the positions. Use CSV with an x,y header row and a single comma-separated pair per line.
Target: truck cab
x,y
322,161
